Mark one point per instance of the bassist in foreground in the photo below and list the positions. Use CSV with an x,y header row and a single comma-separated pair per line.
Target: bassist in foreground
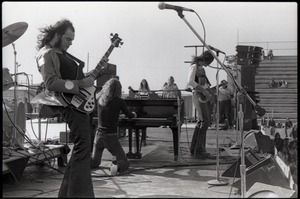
x,y
62,73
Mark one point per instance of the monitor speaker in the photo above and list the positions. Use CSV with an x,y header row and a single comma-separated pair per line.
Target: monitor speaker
x,y
266,171
16,168
261,190
234,170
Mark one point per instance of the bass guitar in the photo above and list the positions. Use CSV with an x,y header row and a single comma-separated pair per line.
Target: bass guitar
x,y
86,101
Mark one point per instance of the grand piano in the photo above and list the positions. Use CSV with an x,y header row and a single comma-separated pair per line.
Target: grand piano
x,y
153,113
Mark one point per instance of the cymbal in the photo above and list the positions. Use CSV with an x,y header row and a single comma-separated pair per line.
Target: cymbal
x,y
12,32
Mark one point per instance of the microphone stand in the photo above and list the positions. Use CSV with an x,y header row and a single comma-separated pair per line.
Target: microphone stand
x,y
258,109
218,181
242,165
178,126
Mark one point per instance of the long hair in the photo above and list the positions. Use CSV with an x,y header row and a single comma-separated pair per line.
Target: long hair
x,y
144,87
110,90
206,57
47,33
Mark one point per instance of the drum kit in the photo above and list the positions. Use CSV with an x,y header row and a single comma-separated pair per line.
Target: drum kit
x,y
10,34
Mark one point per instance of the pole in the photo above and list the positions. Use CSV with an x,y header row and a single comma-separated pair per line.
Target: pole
x,y
178,125
218,181
88,62
237,121
15,93
242,166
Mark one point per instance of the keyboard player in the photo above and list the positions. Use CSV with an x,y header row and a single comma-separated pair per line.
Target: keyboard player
x,y
110,105
145,93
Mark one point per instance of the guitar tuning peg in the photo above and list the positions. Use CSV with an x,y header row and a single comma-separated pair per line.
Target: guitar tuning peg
x,y
111,34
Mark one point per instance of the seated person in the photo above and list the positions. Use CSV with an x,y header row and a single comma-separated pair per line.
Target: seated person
x,y
170,89
144,87
278,142
270,54
144,91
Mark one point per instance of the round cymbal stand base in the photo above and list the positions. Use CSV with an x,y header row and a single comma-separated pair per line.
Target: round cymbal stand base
x,y
218,182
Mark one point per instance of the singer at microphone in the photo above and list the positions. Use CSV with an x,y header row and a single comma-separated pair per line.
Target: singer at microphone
x,y
163,6
217,50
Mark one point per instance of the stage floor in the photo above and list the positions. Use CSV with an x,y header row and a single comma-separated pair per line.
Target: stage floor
x,y
155,175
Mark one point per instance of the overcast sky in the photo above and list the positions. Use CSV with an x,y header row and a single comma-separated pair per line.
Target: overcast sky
x,y
154,39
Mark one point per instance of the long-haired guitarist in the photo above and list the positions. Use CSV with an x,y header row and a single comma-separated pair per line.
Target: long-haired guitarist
x,y
62,73
198,80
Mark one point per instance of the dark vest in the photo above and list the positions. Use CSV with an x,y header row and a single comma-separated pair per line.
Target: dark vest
x,y
70,67
200,77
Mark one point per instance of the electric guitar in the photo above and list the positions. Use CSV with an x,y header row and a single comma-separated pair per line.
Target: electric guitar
x,y
86,101
203,99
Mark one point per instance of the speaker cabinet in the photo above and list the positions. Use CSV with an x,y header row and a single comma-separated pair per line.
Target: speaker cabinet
x,y
104,78
248,55
260,190
249,49
234,170
246,78
266,171
16,166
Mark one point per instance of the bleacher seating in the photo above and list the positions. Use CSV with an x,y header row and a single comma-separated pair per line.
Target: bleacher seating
x,y
279,102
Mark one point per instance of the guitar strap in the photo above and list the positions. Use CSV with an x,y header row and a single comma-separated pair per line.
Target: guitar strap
x,y
207,80
80,67
81,63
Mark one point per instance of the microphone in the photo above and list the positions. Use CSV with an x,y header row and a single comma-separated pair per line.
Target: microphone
x,y
172,7
215,49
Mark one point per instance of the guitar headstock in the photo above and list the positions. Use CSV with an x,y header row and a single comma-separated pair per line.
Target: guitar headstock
x,y
116,40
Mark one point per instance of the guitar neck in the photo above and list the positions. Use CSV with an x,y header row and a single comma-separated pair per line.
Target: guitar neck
x,y
99,66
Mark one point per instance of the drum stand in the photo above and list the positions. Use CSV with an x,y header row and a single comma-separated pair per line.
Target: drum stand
x,y
10,34
15,94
